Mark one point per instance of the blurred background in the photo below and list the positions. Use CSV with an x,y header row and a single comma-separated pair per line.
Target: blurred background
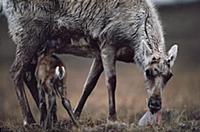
x,y
181,23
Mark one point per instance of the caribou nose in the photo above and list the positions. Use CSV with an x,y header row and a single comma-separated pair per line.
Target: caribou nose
x,y
154,104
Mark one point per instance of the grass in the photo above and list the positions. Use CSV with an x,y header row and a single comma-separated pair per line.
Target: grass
x,y
173,121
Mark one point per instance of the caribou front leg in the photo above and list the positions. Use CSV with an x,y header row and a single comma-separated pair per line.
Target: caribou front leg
x,y
93,76
109,59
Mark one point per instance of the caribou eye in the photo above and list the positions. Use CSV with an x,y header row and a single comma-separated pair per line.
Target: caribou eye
x,y
149,73
168,77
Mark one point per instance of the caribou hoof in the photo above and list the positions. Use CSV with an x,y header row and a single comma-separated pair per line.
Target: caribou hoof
x,y
112,118
77,114
28,121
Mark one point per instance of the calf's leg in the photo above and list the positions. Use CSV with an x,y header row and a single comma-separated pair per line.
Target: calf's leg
x,y
54,114
52,103
67,105
42,106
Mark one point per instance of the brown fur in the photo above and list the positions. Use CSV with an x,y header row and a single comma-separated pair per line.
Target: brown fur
x,y
45,72
52,84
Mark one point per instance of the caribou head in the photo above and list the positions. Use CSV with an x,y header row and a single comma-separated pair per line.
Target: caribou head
x,y
157,73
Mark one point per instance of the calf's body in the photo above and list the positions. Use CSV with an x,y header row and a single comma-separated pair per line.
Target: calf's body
x,y
51,77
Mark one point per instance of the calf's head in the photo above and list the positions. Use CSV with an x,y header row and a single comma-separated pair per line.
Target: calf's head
x,y
157,72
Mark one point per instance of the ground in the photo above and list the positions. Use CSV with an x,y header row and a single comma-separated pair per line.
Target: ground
x,y
173,121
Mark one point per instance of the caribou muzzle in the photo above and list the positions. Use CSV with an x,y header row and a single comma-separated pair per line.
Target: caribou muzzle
x,y
154,104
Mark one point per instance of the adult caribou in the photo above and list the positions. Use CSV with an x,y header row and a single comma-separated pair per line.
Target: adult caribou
x,y
106,30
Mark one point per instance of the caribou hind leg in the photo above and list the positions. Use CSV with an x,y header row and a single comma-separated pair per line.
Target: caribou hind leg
x,y
18,69
93,76
31,82
109,59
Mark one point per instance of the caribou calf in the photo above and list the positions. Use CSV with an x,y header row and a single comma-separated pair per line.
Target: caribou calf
x,y
51,75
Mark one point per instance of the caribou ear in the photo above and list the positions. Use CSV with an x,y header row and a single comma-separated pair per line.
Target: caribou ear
x,y
147,50
172,54
1,8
